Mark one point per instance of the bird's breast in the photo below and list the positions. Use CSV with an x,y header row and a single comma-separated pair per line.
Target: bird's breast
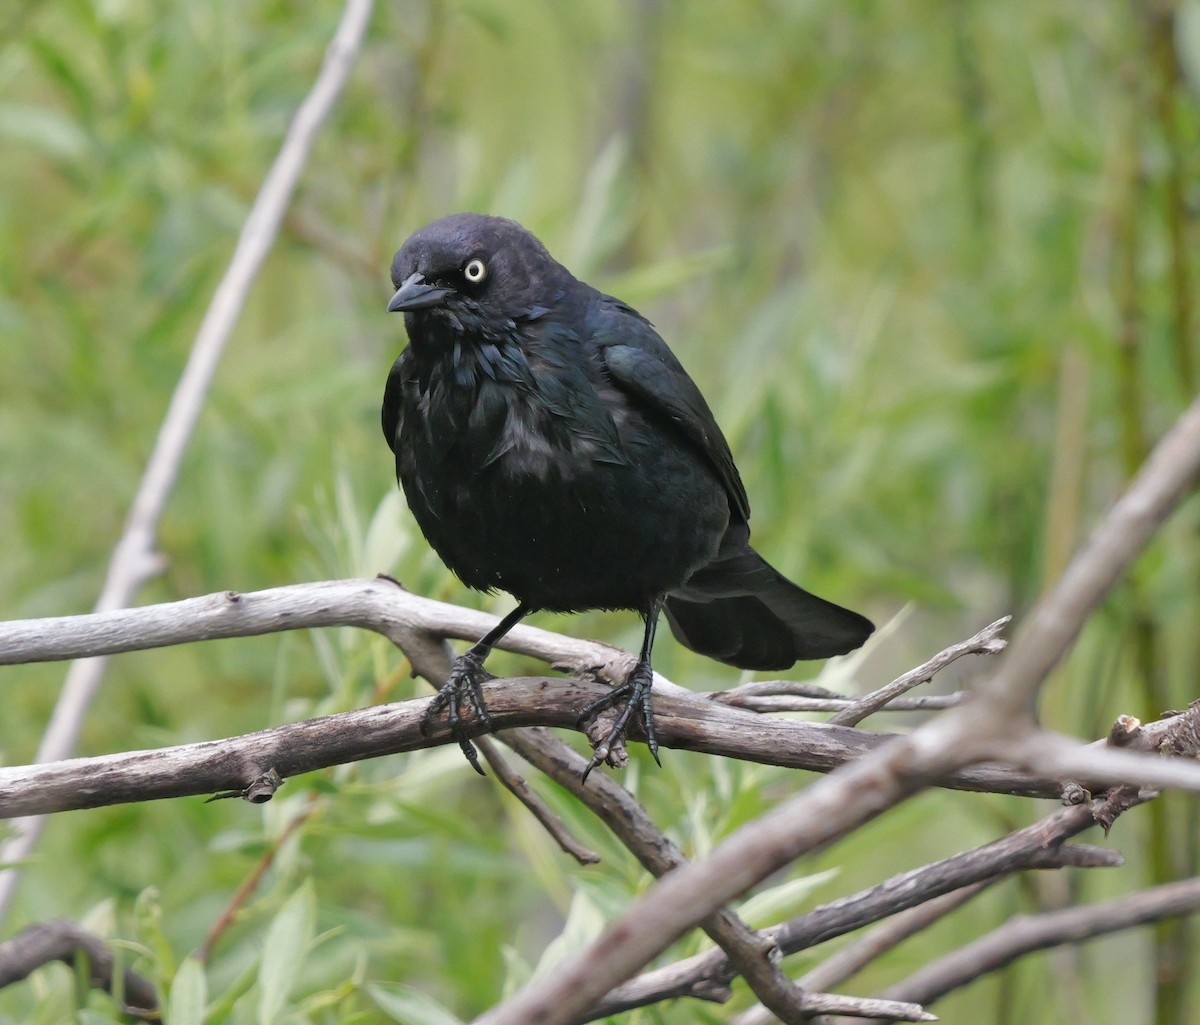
x,y
467,422
529,486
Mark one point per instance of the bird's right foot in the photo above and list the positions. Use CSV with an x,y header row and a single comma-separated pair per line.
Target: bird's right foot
x,y
635,692
464,683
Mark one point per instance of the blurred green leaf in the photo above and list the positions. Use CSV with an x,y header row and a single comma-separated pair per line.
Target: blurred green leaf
x,y
409,1006
285,947
189,993
50,131
777,903
584,923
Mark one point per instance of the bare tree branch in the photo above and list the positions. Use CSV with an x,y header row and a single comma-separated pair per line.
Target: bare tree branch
x,y
379,605
855,793
134,560
1165,479
235,764
1036,846
1027,933
63,940
753,956
987,642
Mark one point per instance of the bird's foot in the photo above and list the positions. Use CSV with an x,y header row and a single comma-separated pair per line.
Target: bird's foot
x,y
635,692
465,681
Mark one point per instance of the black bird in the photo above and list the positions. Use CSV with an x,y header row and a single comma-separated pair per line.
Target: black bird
x,y
551,445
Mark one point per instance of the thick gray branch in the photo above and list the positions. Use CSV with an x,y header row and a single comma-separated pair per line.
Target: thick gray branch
x,y
685,722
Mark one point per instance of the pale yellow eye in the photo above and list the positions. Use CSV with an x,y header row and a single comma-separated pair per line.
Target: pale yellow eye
x,y
475,271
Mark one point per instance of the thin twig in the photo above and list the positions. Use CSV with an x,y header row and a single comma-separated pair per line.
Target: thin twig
x,y
987,642
523,792
787,703
798,688
134,560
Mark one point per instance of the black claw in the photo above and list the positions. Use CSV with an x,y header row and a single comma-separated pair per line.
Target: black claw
x,y
648,719
636,693
467,676
471,753
596,760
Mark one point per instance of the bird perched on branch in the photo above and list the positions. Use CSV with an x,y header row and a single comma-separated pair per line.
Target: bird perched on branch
x,y
550,445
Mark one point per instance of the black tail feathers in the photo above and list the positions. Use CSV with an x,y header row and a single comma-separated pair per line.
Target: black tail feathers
x,y
741,611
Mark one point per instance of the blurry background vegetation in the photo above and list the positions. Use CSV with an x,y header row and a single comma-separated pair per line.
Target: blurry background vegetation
x,y
931,262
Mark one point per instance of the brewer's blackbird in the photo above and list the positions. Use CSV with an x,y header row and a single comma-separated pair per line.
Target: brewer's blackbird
x,y
551,445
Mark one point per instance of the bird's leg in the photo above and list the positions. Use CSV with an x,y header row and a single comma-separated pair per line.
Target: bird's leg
x,y
466,677
635,692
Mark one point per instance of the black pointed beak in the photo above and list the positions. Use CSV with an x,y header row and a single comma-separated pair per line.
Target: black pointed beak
x,y
415,293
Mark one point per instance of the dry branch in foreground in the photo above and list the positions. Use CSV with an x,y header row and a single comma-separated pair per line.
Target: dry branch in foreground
x,y
1000,714
1038,846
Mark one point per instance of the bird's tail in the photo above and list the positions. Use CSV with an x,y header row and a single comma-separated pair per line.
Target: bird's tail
x,y
741,611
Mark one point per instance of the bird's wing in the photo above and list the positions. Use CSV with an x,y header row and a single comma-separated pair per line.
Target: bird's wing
x,y
397,381
640,363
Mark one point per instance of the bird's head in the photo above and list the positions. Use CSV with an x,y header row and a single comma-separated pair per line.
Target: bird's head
x,y
474,273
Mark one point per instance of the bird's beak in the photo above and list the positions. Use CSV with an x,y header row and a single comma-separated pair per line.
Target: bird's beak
x,y
415,293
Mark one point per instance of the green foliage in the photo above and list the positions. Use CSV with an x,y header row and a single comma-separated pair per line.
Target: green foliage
x,y
923,258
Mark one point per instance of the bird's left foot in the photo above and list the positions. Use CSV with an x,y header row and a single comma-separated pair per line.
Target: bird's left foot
x,y
465,681
635,692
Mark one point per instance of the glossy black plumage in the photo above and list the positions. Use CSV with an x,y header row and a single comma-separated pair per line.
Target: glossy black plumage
x,y
550,445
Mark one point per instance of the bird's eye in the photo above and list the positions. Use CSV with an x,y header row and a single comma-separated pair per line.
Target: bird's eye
x,y
475,271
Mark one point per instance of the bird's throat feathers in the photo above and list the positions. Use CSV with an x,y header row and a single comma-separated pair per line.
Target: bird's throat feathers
x,y
509,402
447,353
